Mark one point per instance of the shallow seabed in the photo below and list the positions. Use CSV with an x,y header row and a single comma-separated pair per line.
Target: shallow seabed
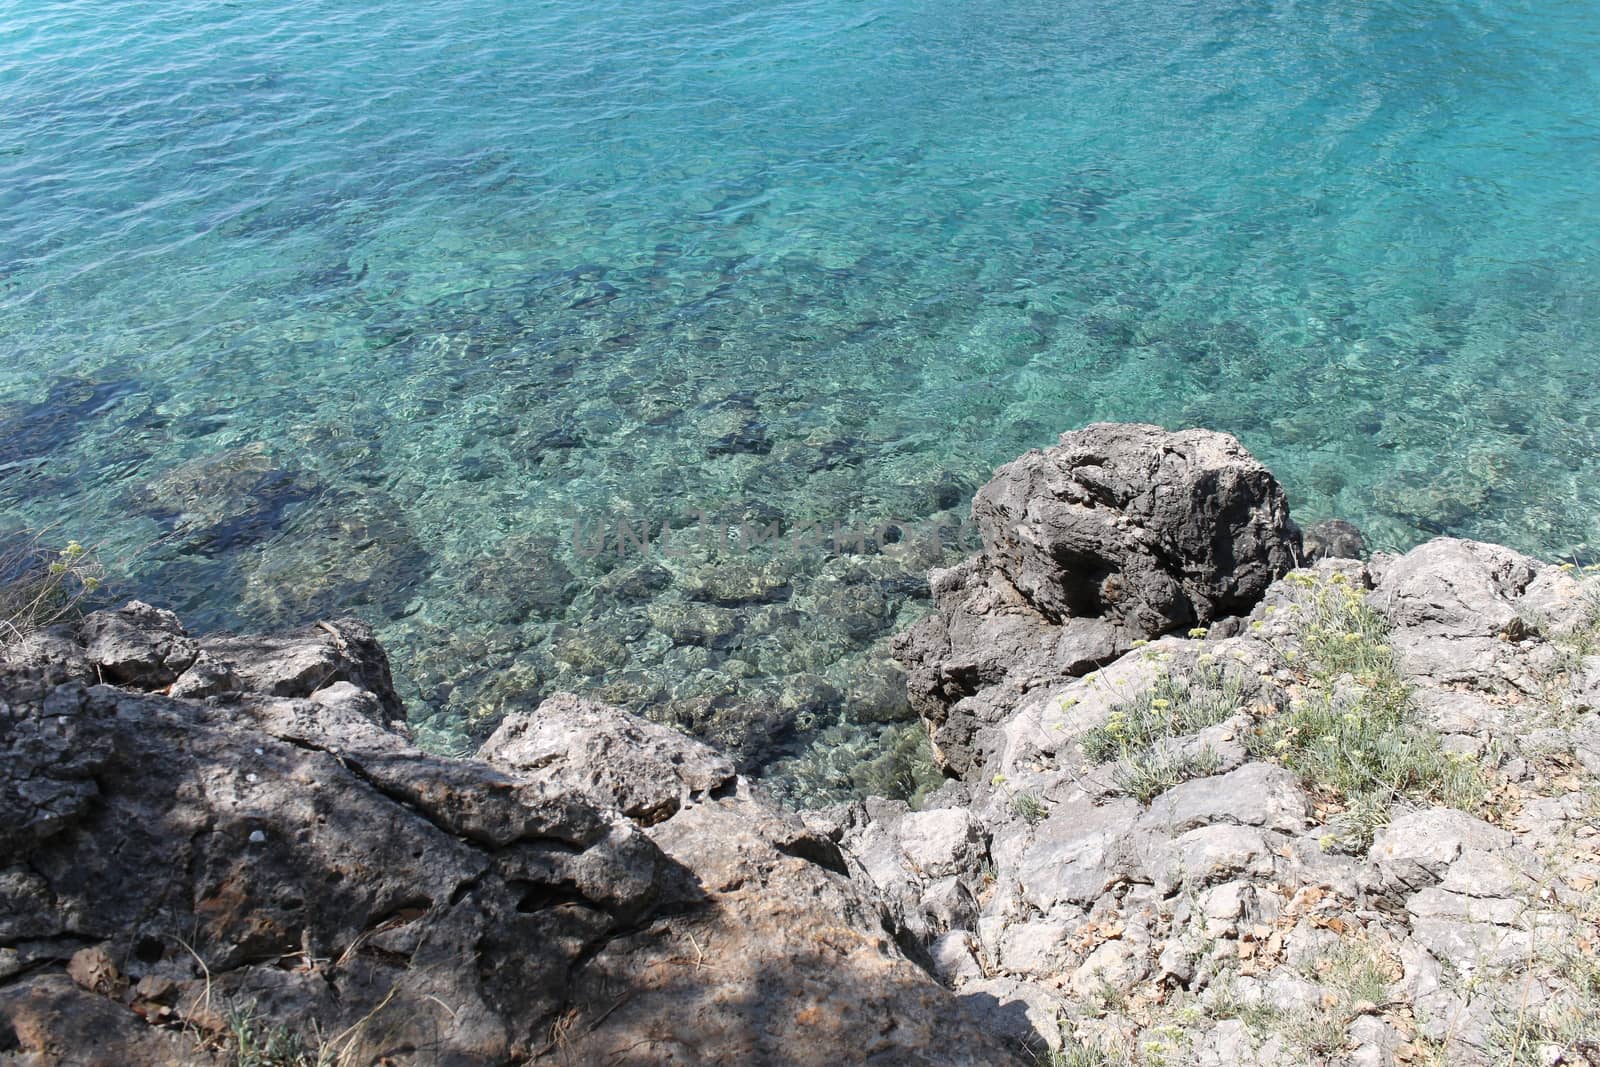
x,y
328,306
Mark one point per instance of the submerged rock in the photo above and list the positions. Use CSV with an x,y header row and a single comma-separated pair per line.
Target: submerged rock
x,y
227,500
345,554
1334,539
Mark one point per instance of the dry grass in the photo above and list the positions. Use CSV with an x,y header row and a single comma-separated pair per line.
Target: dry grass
x,y
41,584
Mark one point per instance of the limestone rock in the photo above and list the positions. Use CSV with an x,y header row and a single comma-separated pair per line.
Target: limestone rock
x,y
645,770
1454,606
942,841
1151,529
1078,853
302,661
1416,849
1257,794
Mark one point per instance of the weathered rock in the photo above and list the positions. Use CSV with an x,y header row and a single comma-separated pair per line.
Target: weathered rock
x,y
1116,964
1037,949
296,857
1415,850
138,645
53,655
1210,854
1023,1011
613,759
1078,853
1257,794
970,663
207,676
1151,529
1454,607
941,842
1120,533
955,956
300,662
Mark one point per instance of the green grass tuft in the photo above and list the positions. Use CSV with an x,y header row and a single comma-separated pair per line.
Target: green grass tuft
x,y
1138,732
1352,733
1030,807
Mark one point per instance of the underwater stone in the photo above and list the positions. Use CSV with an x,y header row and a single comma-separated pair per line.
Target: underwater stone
x,y
228,499
1334,539
739,582
751,438
348,553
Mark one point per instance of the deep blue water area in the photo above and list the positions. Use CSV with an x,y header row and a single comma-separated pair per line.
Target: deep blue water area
x,y
310,306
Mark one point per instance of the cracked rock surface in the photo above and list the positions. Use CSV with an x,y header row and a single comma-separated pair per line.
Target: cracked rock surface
x,y
1120,533
1229,917
591,888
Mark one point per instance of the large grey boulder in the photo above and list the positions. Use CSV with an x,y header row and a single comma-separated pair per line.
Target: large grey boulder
x,y
1151,529
1120,533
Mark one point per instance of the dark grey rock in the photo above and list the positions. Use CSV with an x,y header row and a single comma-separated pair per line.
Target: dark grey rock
x,y
138,645
298,856
968,665
1118,534
1151,529
53,653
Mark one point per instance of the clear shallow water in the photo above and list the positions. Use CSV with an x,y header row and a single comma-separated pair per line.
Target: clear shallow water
x,y
326,305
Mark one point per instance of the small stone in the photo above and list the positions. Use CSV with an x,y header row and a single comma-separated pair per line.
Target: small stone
x,y
955,956
1116,964
941,842
1225,902
1176,963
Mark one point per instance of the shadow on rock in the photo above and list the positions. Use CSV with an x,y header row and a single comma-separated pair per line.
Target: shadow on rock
x,y
592,888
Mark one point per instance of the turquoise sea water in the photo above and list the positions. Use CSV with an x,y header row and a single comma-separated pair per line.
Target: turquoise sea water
x,y
324,305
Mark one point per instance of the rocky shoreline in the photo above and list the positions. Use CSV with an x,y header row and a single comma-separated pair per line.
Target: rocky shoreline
x,y
1216,794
